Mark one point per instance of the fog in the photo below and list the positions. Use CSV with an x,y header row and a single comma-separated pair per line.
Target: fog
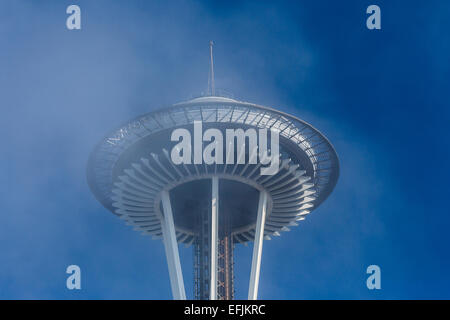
x,y
62,90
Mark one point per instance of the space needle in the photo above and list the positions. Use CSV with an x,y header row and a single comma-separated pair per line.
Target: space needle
x,y
212,206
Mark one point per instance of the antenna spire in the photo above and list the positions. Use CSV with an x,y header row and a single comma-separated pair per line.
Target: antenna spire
x,y
212,89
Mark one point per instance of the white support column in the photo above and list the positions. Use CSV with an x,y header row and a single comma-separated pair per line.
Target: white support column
x,y
214,238
171,247
257,247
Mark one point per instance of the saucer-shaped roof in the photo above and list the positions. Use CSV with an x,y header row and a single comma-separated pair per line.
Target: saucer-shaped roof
x,y
130,166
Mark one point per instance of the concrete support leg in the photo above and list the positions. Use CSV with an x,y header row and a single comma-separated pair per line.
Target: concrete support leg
x,y
257,247
171,247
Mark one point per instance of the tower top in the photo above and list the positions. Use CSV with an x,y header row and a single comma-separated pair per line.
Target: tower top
x,y
211,85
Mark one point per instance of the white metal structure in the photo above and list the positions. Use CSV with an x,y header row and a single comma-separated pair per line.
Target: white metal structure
x,y
131,174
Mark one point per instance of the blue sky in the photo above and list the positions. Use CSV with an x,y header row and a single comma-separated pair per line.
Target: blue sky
x,y
381,97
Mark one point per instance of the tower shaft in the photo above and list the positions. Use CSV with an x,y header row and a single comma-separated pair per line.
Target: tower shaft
x,y
225,286
204,255
201,255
